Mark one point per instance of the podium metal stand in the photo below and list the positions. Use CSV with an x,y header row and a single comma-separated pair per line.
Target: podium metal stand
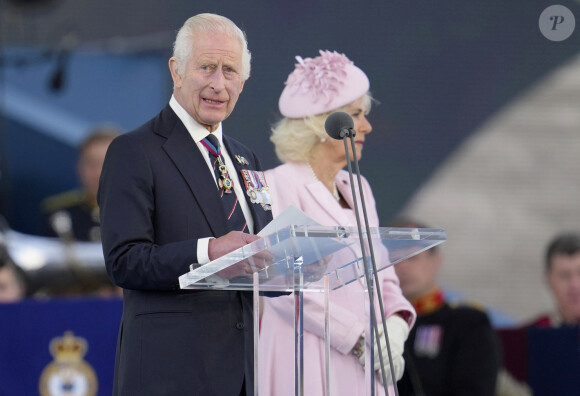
x,y
299,259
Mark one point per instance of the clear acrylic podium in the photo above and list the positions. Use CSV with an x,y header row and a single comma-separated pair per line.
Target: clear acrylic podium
x,y
301,259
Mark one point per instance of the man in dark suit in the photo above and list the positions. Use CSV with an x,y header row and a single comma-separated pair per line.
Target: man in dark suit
x,y
162,209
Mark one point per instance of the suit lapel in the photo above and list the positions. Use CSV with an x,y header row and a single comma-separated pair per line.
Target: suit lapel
x,y
320,194
260,216
189,161
344,188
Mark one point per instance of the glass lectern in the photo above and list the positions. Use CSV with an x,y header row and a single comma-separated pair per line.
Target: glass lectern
x,y
301,259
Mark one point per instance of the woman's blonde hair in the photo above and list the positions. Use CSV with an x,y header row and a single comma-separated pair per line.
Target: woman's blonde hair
x,y
295,138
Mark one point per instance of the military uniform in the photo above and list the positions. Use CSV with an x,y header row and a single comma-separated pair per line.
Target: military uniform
x,y
549,320
451,350
72,215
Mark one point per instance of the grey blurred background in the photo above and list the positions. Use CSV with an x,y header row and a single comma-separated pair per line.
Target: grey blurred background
x,y
477,130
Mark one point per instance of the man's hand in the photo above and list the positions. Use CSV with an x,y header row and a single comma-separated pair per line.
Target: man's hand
x,y
228,243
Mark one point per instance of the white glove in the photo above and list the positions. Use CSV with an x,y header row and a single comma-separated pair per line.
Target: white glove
x,y
398,330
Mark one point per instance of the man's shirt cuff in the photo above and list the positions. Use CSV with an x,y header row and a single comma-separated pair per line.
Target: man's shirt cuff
x,y
203,251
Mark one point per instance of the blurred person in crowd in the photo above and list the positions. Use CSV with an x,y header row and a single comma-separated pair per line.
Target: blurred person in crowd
x,y
562,276
74,215
12,278
452,350
173,193
312,179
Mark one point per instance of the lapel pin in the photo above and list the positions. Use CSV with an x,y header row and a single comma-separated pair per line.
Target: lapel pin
x,y
241,160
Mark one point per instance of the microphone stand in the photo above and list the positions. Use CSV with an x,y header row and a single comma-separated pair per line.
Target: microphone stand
x,y
61,223
350,133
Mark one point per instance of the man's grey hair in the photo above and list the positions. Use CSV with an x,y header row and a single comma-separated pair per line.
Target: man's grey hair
x,y
183,46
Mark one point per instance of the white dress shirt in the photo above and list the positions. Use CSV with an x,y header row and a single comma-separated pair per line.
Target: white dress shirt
x,y
198,133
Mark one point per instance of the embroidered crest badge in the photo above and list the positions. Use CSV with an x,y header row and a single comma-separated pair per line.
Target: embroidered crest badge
x,y
68,374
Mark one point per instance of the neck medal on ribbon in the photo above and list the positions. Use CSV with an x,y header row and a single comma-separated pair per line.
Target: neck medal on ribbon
x,y
225,183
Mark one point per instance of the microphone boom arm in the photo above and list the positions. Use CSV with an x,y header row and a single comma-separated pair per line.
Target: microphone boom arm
x,y
374,267
339,125
369,275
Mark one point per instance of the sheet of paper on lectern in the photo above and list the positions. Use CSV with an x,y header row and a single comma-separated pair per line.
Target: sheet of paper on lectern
x,y
290,216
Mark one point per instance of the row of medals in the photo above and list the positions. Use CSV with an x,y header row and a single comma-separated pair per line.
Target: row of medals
x,y
257,195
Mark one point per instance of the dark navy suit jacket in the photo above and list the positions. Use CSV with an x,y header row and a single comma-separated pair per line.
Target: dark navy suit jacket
x,y
157,198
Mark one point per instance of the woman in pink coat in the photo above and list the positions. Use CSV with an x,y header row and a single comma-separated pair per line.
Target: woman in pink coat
x,y
312,179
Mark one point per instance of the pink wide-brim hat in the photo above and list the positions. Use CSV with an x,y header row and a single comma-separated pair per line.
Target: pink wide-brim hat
x,y
322,84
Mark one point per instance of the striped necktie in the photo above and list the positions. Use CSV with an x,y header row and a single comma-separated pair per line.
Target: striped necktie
x,y
229,199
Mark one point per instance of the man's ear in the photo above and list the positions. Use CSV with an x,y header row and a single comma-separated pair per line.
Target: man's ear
x,y
177,79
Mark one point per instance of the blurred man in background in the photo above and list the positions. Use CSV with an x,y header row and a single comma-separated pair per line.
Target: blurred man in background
x,y
562,275
74,215
12,279
548,342
452,350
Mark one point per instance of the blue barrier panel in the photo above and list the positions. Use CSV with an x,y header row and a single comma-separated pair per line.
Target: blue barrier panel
x,y
554,361
27,330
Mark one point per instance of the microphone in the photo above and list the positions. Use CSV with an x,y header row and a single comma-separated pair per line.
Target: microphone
x,y
61,223
339,125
